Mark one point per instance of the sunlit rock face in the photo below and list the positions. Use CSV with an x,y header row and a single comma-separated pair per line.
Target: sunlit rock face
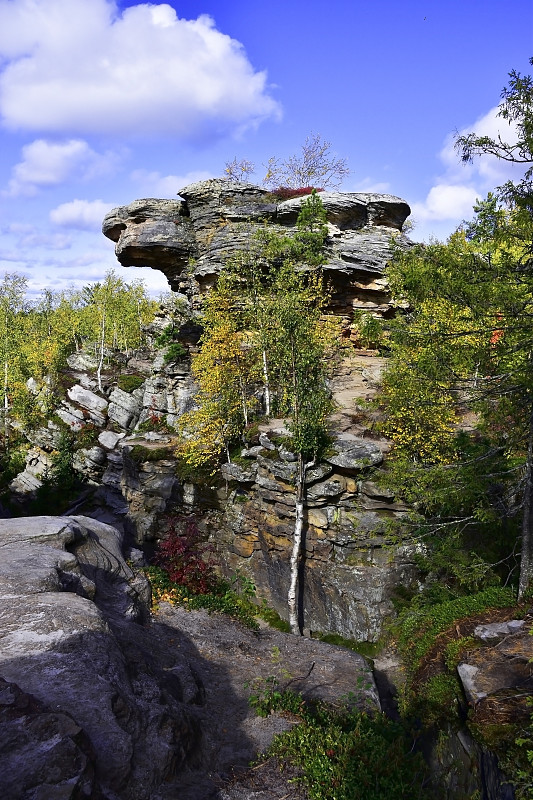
x,y
190,240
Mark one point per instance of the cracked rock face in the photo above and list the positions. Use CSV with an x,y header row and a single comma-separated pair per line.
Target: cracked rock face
x,y
82,711
190,240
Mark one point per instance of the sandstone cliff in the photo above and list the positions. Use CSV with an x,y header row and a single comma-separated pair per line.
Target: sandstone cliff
x,y
189,240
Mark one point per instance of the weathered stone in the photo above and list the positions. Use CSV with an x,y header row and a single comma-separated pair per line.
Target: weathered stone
x,y
93,403
376,492
95,728
494,631
265,442
219,218
353,454
124,408
149,232
109,439
235,472
90,462
503,669
71,416
82,361
317,518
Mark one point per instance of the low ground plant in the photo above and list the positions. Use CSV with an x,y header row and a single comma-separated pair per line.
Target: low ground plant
x,y
184,573
344,754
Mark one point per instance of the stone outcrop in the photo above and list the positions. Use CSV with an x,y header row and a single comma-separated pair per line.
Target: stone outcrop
x,y
190,240
351,565
81,719
501,667
99,701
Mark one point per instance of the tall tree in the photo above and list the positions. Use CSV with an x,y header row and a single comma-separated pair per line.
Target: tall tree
x,y
516,108
116,313
263,320
12,304
467,343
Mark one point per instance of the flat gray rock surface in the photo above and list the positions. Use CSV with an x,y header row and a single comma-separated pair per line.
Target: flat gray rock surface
x,y
99,700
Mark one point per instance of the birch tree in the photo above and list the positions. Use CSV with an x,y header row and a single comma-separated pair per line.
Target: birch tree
x,y
263,321
12,304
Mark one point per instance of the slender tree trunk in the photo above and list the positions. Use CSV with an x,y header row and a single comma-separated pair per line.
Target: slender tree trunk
x,y
6,406
101,360
297,547
526,558
267,385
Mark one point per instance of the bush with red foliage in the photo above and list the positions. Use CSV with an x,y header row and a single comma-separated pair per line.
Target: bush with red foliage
x,y
184,554
286,193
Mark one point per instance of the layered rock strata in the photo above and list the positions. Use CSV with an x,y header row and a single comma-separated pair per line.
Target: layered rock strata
x,y
351,566
190,240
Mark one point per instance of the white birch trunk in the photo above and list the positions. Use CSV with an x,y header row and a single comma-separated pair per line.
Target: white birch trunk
x,y
296,555
101,360
267,385
6,401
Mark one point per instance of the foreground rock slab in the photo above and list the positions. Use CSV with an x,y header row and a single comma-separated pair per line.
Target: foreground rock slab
x,y
100,701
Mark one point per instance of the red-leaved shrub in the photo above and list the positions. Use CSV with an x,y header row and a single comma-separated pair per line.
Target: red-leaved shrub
x,y
286,193
184,554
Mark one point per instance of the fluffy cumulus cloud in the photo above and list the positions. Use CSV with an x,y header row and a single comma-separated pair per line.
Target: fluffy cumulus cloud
x,y
80,67
46,164
456,190
84,215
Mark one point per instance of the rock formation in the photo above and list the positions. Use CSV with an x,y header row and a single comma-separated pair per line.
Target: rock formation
x,y
189,240
351,567
98,701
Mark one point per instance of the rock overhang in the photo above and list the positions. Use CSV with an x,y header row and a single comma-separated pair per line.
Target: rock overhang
x,y
190,239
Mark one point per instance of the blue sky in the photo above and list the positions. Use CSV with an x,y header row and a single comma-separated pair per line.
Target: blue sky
x,y
104,102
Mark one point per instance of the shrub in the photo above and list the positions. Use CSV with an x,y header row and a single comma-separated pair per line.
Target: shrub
x,y
128,383
140,454
419,628
175,352
286,193
184,555
347,755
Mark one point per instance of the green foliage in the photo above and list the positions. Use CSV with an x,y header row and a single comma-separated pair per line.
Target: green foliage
x,y
86,437
12,461
175,352
419,627
141,454
366,649
61,484
369,330
128,383
223,598
262,324
461,358
345,754
516,107
454,650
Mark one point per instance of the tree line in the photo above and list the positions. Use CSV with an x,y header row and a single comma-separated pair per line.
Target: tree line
x,y
37,337
458,390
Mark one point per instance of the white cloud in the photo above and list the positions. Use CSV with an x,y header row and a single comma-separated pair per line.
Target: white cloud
x,y
80,66
451,198
84,215
153,184
46,164
446,201
369,185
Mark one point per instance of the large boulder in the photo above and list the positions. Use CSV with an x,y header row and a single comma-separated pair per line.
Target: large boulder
x,y
82,710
